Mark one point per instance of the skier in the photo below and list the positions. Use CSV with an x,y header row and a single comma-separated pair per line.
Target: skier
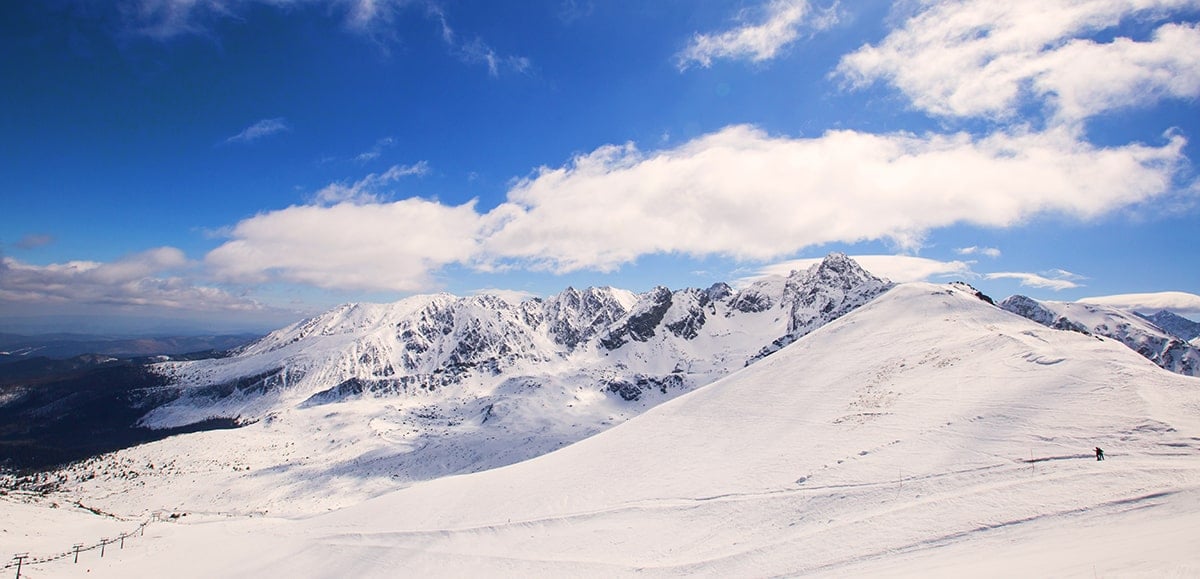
x,y
1099,453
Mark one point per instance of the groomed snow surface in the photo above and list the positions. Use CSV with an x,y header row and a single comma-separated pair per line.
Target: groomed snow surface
x,y
924,434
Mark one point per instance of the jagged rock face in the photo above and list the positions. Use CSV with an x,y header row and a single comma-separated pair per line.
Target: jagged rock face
x,y
639,324
1169,352
1032,309
574,316
966,287
1176,325
823,293
691,304
829,291
623,344
752,300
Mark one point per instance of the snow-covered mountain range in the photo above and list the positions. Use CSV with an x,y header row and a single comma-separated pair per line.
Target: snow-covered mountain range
x,y
1175,324
433,347
389,394
957,444
1141,334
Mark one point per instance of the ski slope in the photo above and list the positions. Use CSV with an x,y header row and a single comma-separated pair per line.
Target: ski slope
x,y
926,433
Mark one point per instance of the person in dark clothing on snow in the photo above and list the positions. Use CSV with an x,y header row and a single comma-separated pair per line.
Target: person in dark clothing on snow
x,y
1099,453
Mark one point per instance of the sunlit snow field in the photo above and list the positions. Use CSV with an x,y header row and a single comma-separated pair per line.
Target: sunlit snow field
x,y
926,433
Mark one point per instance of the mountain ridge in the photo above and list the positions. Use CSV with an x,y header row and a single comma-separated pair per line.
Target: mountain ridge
x,y
969,434
1135,331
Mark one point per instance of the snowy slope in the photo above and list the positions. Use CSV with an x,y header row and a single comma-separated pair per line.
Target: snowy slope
x,y
961,447
1141,335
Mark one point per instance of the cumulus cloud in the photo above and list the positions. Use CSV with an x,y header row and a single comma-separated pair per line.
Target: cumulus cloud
x,y
975,250
780,25
744,194
374,246
141,280
981,58
369,189
263,128
897,268
738,193
1182,303
1059,280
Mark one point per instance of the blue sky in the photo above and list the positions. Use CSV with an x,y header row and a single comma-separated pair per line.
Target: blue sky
x,y
218,165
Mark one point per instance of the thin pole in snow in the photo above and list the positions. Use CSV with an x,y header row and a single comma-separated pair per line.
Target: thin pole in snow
x,y
78,546
20,557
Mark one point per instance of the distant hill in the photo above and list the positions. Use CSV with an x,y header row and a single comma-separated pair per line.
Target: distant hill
x,y
15,347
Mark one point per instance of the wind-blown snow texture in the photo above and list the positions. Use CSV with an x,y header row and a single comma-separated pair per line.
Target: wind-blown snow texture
x,y
960,446
1141,335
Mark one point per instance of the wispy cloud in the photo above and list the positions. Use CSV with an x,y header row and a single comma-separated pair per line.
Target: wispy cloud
x,y
167,19
34,241
258,130
369,189
149,279
975,250
1056,280
780,24
375,151
982,58
570,11
1182,303
476,51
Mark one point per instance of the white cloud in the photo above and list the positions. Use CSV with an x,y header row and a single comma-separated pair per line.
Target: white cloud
x,y
143,280
736,193
982,58
743,194
781,25
369,189
263,128
1057,283
974,250
1182,303
897,268
376,246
